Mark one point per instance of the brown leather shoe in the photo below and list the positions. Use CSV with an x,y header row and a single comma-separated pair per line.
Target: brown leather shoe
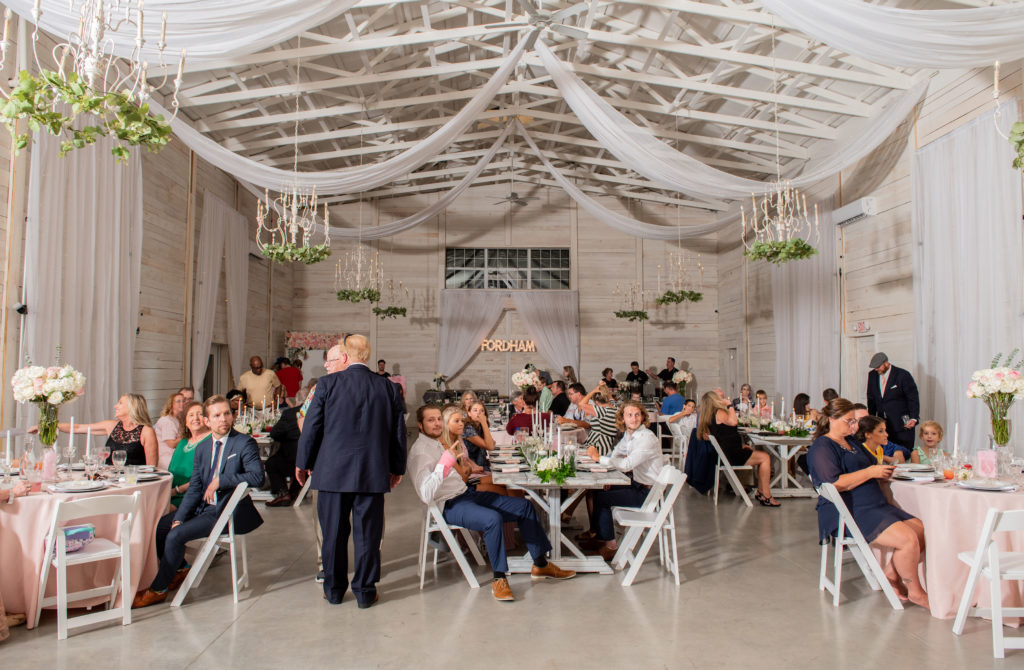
x,y
607,553
550,571
501,590
147,598
281,501
179,578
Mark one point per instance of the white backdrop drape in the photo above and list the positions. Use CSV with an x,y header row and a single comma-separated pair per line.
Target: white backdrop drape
x,y
236,278
805,309
924,38
967,279
466,316
208,29
553,321
83,259
212,233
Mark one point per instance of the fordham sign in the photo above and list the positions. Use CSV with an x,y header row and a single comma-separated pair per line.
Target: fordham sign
x,y
508,345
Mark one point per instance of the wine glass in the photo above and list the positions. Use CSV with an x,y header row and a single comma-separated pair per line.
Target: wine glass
x,y
103,454
92,465
120,457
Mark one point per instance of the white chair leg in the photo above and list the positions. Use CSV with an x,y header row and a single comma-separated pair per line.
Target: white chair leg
x,y
473,548
126,582
234,565
837,576
996,594
675,548
423,553
965,600
640,556
62,598
245,561
718,470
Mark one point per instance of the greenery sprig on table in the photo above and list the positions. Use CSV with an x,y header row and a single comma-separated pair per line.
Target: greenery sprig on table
x,y
632,314
551,468
286,253
120,117
797,431
676,297
778,251
390,311
359,295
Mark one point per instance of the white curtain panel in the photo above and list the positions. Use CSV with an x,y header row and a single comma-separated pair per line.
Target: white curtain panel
x,y
647,155
967,278
923,38
236,277
351,180
466,317
425,214
806,316
210,30
83,254
212,233
553,321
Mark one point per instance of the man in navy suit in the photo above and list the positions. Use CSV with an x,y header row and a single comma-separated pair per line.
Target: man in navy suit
x,y
353,441
220,464
892,395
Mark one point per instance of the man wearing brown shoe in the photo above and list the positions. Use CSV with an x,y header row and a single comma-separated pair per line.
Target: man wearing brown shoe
x,y
440,475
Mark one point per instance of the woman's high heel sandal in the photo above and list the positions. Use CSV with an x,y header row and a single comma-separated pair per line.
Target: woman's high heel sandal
x,y
767,501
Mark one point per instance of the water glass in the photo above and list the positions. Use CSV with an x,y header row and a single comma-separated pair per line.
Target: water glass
x,y
92,466
131,475
119,457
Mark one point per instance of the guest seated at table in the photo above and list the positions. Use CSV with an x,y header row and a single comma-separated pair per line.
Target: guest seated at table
x,y
636,396
574,416
828,395
608,379
467,399
761,408
803,410
281,466
686,417
236,398
439,476
525,418
130,430
559,401
892,453
194,430
604,432
516,400
638,455
745,402
856,475
931,434
477,434
546,396
168,428
224,461
718,418
569,375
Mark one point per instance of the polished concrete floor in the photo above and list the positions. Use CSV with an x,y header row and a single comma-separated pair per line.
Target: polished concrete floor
x,y
748,598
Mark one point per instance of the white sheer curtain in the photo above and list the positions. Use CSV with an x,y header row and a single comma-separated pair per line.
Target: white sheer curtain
x,y
924,38
83,254
553,320
967,279
466,317
647,155
236,278
208,29
352,179
212,233
806,316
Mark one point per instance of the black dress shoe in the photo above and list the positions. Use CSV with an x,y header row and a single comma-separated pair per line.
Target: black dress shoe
x,y
369,603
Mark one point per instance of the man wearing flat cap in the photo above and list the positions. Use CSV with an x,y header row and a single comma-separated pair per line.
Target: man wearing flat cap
x,y
892,395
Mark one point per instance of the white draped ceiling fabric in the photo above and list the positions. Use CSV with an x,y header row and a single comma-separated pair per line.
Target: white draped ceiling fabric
x,y
210,30
83,263
467,316
922,38
806,317
966,222
220,229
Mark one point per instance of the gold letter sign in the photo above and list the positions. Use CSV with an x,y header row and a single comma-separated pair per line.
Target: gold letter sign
x,y
526,346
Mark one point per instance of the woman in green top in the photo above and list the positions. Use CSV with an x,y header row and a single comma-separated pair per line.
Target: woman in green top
x,y
194,431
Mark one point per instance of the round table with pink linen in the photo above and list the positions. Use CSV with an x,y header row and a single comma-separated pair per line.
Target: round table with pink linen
x,y
953,518
23,527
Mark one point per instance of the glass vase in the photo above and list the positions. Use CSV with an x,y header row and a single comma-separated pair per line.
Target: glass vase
x,y
1001,427
48,423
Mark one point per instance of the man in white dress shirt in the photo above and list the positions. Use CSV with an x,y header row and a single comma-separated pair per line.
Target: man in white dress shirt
x,y
439,476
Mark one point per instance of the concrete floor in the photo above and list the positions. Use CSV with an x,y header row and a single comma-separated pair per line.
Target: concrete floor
x,y
748,598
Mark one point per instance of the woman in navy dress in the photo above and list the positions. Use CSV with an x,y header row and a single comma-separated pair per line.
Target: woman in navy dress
x,y
856,475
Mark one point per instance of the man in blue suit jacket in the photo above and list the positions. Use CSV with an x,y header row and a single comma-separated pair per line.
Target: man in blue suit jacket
x,y
220,464
892,395
353,441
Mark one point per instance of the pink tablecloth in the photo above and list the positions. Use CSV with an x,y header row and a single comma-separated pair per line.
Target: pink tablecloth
x,y
953,518
23,528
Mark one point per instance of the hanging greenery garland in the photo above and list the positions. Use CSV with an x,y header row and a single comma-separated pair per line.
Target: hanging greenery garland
x,y
780,252
632,314
676,297
120,117
359,294
389,312
286,253
1017,141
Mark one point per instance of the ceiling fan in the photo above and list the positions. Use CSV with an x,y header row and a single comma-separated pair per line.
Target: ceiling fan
x,y
538,18
513,197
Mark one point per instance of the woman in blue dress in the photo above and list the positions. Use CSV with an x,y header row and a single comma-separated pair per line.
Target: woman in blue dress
x,y
856,475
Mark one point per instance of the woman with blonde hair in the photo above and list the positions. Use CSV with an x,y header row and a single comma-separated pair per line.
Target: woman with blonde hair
x,y
467,400
131,430
168,427
931,434
717,418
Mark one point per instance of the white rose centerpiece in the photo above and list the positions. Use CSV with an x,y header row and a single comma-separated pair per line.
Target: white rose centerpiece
x,y
999,386
682,378
48,388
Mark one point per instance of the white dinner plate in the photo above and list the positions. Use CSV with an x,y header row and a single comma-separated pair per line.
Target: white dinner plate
x,y
987,485
147,477
914,467
146,468
78,486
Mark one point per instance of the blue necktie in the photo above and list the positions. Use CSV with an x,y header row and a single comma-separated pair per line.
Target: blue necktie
x,y
215,465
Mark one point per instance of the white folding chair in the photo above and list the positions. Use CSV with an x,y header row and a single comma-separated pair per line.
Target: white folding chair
x,y
657,517
433,522
679,443
730,473
100,549
996,566
235,544
858,547
302,494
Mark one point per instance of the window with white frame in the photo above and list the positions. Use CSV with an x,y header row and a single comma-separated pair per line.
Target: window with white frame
x,y
519,269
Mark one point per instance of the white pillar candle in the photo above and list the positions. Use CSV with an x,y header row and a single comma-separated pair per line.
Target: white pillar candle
x,y
71,442
782,410
8,454
773,409
956,439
